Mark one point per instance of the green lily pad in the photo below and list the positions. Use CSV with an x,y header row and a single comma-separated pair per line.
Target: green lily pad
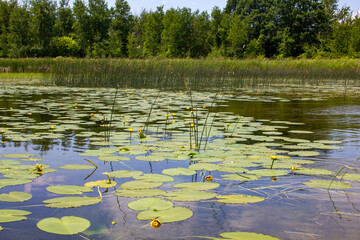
x,y
124,174
304,153
188,195
140,184
77,166
100,183
204,166
15,197
12,215
178,171
239,199
150,158
197,185
269,172
168,215
351,177
13,182
68,189
313,171
67,225
247,236
139,193
151,177
113,158
326,184
71,202
155,204
240,177
18,155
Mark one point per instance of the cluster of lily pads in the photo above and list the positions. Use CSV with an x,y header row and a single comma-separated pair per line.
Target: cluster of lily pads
x,y
212,146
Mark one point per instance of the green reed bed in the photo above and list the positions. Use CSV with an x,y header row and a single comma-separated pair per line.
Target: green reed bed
x,y
190,73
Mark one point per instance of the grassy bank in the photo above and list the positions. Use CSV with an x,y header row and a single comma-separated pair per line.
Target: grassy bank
x,y
184,73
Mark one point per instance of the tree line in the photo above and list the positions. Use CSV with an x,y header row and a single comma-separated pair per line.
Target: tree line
x,y
243,29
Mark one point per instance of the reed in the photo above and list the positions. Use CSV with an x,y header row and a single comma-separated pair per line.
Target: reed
x,y
190,73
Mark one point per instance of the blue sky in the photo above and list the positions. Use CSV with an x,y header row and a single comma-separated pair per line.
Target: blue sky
x,y
138,5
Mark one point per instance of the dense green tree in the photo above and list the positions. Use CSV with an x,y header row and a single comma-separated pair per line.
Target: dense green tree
x,y
42,21
19,35
6,8
135,44
176,35
153,29
65,19
341,32
238,35
201,41
122,21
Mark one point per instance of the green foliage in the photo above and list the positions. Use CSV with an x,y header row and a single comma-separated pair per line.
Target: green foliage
x,y
244,29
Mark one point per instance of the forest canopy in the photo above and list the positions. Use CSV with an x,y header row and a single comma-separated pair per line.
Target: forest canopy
x,y
243,29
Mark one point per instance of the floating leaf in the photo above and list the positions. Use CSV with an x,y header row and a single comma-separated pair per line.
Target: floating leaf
x,y
313,171
13,182
124,174
68,189
239,199
247,236
304,153
67,225
15,197
240,177
113,158
70,202
269,172
197,185
155,204
179,171
188,195
165,216
140,184
351,177
11,215
151,177
139,192
100,183
204,166
150,158
77,166
326,183
18,155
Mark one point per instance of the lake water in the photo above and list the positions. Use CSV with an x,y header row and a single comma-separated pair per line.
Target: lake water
x,y
237,131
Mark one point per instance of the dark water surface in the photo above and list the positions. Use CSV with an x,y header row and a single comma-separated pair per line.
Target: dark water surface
x,y
291,210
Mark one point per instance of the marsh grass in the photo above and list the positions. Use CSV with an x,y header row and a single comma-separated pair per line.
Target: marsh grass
x,y
190,73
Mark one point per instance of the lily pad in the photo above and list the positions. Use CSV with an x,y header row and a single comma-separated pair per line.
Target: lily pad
x,y
68,189
240,177
204,166
188,195
67,225
247,236
351,177
100,183
139,192
239,199
179,171
197,185
124,174
304,153
18,155
269,172
140,184
168,215
326,183
12,215
15,197
313,171
151,177
71,202
155,204
77,166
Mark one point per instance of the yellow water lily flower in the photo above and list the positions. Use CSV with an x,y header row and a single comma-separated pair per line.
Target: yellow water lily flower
x,y
274,157
209,178
155,223
131,130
